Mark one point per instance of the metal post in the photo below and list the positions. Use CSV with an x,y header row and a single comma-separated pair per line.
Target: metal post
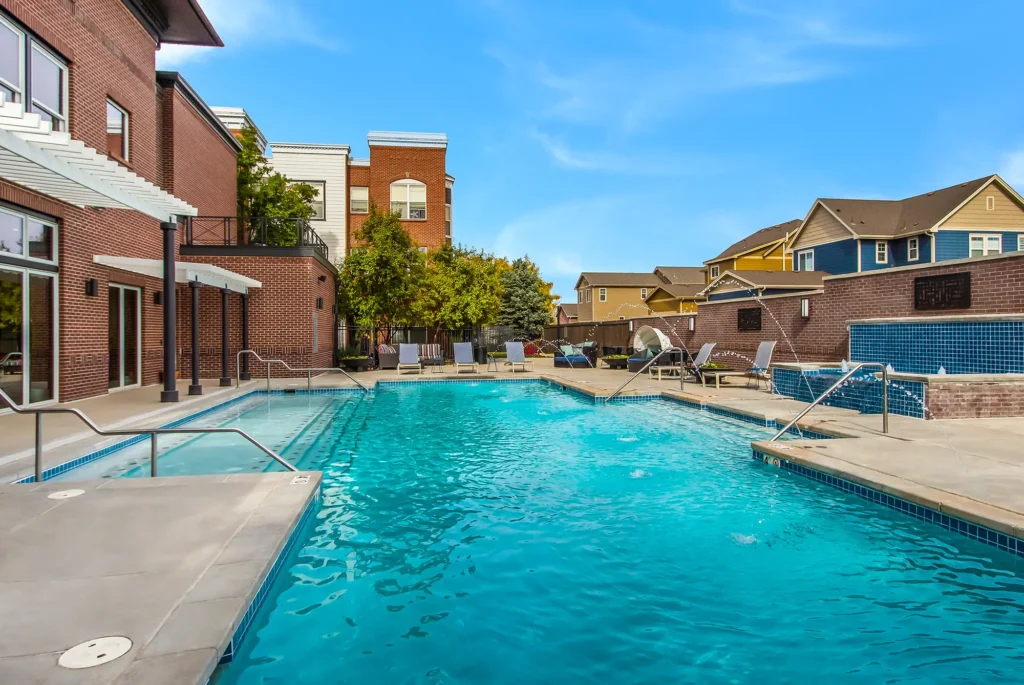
x,y
39,448
885,399
152,455
268,378
196,388
170,391
309,381
225,380
245,337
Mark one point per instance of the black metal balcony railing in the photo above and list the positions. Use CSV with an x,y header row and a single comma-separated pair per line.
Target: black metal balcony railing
x,y
255,232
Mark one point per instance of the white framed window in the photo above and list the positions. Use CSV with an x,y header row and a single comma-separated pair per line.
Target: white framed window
x,y
622,318
805,308
409,199
1020,243
117,131
990,202
643,293
881,252
448,221
588,294
358,199
982,244
12,61
27,236
33,76
318,202
714,272
913,250
804,261
602,294
579,296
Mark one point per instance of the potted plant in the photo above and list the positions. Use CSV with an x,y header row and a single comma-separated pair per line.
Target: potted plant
x,y
615,361
351,360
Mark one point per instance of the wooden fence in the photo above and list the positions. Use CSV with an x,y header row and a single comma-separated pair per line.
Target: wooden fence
x,y
605,334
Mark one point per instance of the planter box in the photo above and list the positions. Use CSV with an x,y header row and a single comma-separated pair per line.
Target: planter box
x,y
615,363
355,364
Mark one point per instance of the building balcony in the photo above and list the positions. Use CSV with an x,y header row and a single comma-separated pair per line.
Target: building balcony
x,y
268,235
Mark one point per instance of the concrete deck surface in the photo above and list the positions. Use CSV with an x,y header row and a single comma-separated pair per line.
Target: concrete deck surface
x,y
171,563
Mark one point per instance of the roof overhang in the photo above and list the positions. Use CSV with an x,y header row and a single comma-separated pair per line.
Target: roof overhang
x,y
53,164
175,21
406,139
185,272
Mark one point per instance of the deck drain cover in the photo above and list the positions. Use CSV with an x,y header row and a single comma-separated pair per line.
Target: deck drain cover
x,y
65,494
95,652
300,480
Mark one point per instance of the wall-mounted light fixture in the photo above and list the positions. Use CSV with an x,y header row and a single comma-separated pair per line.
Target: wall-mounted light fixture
x,y
158,298
805,307
322,278
691,324
92,287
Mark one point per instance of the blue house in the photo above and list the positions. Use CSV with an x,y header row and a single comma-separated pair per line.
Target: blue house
x,y
973,219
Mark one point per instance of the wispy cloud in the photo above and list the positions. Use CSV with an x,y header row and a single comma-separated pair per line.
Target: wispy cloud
x,y
637,162
242,23
1012,169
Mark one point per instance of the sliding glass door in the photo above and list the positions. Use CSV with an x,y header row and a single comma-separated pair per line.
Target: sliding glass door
x,y
125,335
28,330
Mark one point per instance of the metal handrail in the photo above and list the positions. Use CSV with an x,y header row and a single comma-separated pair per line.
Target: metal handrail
x,y
309,371
835,386
152,432
644,368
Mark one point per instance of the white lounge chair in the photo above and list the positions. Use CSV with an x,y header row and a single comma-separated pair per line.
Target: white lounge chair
x,y
409,358
517,356
700,360
761,370
464,357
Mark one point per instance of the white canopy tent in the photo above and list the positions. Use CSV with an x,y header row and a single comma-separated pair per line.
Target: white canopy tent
x,y
648,337
185,272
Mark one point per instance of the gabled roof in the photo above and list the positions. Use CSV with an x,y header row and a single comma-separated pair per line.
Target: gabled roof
x,y
681,274
761,238
619,279
678,290
570,310
795,280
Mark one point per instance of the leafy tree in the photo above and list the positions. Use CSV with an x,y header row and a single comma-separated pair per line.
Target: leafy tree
x,y
461,287
10,311
379,280
526,301
262,192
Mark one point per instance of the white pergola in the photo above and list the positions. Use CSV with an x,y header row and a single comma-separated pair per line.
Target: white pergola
x,y
184,272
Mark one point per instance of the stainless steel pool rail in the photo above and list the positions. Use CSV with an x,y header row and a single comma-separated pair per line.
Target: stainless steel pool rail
x,y
152,432
644,368
835,386
309,371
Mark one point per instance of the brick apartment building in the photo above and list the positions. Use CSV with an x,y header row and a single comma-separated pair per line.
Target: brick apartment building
x,y
105,165
405,172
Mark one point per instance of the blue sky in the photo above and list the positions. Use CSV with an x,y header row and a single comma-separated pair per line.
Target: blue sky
x,y
636,134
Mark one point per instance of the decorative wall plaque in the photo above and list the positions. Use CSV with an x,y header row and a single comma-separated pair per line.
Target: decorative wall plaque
x,y
948,291
749,319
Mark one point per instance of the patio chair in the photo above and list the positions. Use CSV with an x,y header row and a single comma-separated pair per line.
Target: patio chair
x,y
516,356
430,355
694,367
409,358
464,357
575,356
761,370
387,358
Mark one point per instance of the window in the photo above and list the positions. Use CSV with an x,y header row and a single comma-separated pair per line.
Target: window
x,y
422,250
579,296
409,199
359,199
1020,243
714,272
805,260
913,253
602,294
643,293
588,294
622,318
447,196
990,202
982,245
805,308
44,89
16,227
881,252
448,220
319,210
117,131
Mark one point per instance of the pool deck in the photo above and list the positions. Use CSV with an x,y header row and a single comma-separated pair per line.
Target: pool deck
x,y
171,563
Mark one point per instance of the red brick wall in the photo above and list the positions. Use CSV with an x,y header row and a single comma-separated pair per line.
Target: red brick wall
x,y
360,176
975,400
280,316
997,287
389,164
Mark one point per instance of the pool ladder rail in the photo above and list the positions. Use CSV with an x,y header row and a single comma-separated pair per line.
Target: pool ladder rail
x,y
653,359
835,386
152,432
309,371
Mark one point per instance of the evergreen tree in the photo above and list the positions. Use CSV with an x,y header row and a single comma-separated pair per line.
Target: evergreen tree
x,y
526,302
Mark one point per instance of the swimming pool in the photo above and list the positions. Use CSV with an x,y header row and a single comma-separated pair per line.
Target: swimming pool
x,y
493,533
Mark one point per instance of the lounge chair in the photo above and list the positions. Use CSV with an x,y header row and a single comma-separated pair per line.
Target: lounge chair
x,y
694,367
387,358
576,356
430,355
516,356
759,371
464,357
409,358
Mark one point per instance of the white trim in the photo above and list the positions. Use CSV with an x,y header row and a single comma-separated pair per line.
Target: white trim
x,y
994,229
65,78
309,148
933,236
1020,243
796,234
125,141
22,38
26,274
796,259
207,274
798,293
986,184
860,256
602,294
984,244
353,161
407,139
926,265
138,334
990,202
643,293
714,272
884,244
917,249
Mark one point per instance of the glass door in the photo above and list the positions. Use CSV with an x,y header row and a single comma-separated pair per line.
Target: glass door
x,y
124,333
12,338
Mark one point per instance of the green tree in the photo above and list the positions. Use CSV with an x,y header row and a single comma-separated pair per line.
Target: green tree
x,y
10,312
526,301
461,287
380,278
268,197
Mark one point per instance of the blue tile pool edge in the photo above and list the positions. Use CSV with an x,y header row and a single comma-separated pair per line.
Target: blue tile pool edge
x,y
974,531
264,590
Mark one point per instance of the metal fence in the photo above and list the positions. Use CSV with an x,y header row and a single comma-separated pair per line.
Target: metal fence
x,y
256,231
363,341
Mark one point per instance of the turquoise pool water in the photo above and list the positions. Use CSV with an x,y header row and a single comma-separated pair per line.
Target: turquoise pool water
x,y
515,533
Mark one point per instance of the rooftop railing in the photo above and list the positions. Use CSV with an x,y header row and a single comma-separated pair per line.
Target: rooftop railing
x,y
260,231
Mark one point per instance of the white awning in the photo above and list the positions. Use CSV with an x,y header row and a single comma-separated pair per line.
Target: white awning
x,y
207,274
53,164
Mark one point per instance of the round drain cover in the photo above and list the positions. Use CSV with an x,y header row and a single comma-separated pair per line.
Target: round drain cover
x,y
65,494
95,652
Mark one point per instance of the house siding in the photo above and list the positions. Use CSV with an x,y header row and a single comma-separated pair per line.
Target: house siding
x,y
331,168
898,251
956,244
838,257
621,302
867,255
821,227
1006,212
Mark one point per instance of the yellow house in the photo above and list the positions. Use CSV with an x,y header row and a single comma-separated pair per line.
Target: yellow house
x,y
763,250
613,296
679,291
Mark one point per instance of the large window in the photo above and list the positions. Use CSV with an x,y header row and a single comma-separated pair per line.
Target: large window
x,y
319,209
32,75
24,235
805,260
409,199
117,131
913,250
982,245
358,199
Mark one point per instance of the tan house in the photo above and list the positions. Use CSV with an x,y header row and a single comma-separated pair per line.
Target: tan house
x,y
679,292
618,296
763,250
566,313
